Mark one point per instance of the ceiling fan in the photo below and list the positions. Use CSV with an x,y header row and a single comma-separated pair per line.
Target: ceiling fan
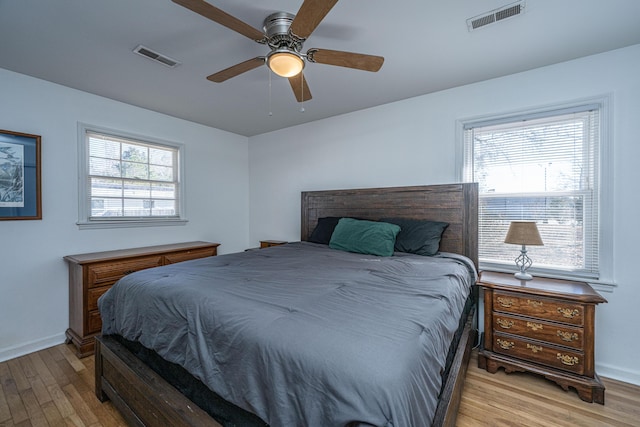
x,y
285,35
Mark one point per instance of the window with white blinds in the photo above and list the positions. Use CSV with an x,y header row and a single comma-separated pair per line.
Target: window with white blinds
x,y
541,167
129,180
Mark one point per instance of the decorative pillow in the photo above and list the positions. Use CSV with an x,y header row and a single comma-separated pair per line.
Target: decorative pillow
x,y
324,229
364,237
417,236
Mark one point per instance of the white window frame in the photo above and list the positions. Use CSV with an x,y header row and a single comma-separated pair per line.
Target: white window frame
x,y
84,203
604,281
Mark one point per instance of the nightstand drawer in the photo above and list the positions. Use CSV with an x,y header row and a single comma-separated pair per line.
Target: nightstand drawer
x,y
534,306
271,243
539,352
539,330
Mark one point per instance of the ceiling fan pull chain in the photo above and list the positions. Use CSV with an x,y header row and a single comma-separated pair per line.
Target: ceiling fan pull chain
x,y
270,112
302,91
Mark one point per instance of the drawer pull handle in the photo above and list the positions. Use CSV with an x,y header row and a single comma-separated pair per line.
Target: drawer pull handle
x,y
505,324
534,348
567,359
568,313
535,326
505,302
568,336
534,303
506,345
129,272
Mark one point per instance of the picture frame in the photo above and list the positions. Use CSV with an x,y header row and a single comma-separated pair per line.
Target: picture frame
x,y
20,176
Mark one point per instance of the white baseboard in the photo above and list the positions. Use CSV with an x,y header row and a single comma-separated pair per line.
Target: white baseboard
x,y
30,347
627,376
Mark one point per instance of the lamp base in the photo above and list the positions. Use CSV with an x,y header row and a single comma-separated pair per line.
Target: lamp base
x,y
523,276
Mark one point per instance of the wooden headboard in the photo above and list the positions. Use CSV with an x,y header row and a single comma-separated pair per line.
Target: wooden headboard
x,y
456,204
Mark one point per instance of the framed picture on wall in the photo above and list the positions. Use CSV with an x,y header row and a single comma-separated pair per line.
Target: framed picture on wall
x,y
19,176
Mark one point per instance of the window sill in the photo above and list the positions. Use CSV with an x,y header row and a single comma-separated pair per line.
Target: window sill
x,y
88,225
598,285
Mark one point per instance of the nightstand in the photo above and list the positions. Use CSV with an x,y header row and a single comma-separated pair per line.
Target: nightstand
x,y
270,243
543,326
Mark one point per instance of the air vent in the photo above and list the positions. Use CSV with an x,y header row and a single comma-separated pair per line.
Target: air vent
x,y
495,15
155,56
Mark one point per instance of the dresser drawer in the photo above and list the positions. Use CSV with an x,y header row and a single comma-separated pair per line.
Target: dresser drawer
x,y
189,255
93,294
539,330
543,308
110,272
94,322
539,352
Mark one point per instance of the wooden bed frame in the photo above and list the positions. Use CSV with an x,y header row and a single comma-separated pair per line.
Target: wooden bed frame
x,y
146,399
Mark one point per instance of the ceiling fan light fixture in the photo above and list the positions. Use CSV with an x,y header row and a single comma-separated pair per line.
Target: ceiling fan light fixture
x,y
285,62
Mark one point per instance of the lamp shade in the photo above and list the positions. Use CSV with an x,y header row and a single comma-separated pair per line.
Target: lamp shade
x,y
523,233
285,63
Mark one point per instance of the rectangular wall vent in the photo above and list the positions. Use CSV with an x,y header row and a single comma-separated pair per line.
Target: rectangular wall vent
x,y
496,15
155,56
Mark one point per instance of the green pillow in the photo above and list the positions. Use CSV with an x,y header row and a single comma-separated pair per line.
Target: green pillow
x,y
364,237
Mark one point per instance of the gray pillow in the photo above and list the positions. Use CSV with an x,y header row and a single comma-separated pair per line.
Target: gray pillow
x,y
418,237
324,229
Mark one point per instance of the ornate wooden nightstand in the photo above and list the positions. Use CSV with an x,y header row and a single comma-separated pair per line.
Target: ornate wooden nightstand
x,y
544,326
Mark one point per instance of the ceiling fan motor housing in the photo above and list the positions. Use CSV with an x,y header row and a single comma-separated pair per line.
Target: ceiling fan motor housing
x,y
276,27
278,23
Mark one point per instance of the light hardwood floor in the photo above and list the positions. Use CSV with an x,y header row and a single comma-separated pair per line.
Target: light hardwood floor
x,y
53,387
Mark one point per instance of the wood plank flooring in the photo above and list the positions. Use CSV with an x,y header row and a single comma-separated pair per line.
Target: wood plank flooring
x,y
521,399
54,388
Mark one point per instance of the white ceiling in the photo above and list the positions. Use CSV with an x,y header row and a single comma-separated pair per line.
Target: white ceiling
x,y
87,45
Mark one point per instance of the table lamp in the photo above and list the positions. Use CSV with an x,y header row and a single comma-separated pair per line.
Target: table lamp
x,y
523,233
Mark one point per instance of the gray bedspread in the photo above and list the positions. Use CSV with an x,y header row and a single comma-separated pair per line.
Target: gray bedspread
x,y
300,334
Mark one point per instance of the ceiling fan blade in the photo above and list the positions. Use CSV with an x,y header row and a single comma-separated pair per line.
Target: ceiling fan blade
x,y
208,11
340,58
309,16
236,70
300,87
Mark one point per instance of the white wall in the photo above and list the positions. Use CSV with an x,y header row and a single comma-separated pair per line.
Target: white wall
x,y
33,276
413,142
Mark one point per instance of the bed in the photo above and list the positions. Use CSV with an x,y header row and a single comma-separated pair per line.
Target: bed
x,y
138,380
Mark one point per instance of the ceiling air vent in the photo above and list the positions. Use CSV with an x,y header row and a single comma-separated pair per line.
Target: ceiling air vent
x,y
155,56
495,15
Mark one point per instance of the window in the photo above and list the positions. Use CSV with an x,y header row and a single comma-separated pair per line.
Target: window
x,y
127,180
542,167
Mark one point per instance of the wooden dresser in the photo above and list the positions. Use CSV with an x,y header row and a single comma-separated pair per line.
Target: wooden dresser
x,y
92,274
544,326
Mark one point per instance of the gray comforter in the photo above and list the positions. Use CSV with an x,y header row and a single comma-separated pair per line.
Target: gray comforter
x,y
300,334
